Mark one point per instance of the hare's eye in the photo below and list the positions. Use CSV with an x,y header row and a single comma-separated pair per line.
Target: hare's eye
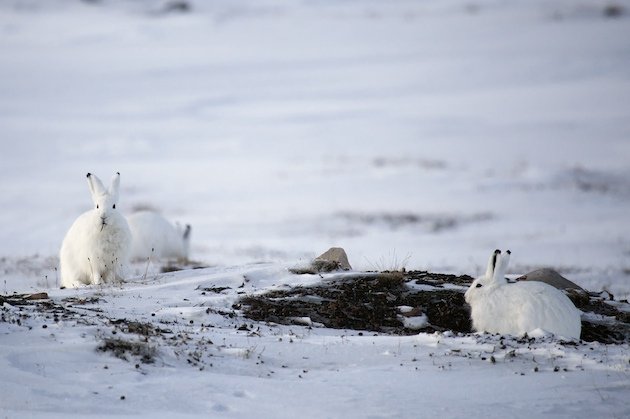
x,y
114,206
479,286
96,206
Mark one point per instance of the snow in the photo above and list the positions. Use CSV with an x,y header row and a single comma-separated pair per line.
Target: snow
x,y
413,134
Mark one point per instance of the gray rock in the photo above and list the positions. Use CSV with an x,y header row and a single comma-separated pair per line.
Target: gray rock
x,y
335,256
333,259
551,277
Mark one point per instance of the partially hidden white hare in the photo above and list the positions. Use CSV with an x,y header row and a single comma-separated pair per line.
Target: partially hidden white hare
x,y
522,307
155,237
96,247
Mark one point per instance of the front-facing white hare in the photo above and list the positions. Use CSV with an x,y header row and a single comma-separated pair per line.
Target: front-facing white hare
x,y
522,307
96,247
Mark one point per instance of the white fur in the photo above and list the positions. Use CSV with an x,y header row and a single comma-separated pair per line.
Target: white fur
x,y
522,307
96,247
154,236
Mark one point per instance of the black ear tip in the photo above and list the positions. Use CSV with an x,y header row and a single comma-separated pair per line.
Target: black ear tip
x,y
497,251
89,174
118,173
508,252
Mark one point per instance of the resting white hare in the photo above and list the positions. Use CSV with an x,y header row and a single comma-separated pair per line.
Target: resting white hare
x,y
518,308
96,247
154,236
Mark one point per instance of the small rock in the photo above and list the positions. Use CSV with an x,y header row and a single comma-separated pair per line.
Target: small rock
x,y
333,259
336,255
551,277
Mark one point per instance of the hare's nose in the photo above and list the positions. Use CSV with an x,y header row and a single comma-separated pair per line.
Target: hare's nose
x,y
103,222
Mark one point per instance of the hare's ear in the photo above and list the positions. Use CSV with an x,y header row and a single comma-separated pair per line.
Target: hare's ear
x,y
113,189
502,264
492,264
96,186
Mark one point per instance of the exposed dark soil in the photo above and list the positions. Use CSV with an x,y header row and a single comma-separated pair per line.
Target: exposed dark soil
x,y
612,327
138,328
123,349
371,302
367,302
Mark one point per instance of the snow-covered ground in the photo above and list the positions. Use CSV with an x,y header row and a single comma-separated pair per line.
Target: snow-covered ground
x,y
200,361
415,133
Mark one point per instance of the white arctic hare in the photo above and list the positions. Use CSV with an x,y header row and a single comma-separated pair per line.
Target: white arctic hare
x,y
518,308
154,236
96,247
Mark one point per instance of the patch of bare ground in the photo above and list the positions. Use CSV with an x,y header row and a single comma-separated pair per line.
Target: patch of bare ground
x,y
125,349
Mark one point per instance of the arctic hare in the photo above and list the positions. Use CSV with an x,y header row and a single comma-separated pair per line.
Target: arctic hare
x,y
96,247
518,308
154,236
